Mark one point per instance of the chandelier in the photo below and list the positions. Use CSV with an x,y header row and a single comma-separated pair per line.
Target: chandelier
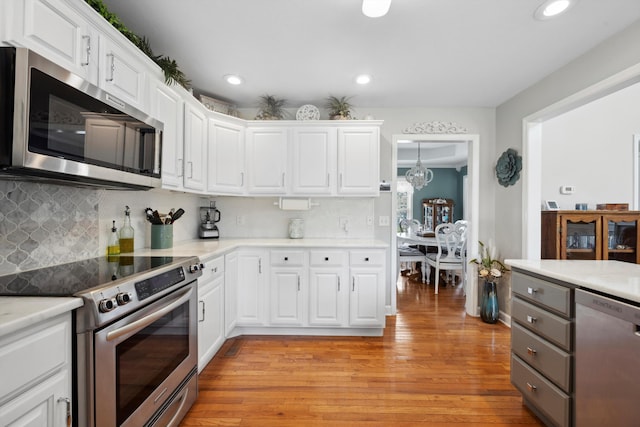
x,y
418,176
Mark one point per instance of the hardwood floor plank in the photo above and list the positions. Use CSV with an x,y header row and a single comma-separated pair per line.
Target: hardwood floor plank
x,y
434,366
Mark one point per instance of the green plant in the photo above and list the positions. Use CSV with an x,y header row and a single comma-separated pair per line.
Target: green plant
x,y
271,108
339,107
489,267
170,69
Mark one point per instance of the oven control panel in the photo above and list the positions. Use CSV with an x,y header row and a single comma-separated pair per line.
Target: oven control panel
x,y
153,285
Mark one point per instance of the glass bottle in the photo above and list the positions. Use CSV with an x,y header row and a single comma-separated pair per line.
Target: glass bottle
x,y
126,233
113,246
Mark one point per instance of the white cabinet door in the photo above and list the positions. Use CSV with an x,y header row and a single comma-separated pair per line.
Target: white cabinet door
x,y
366,300
287,288
328,296
210,320
168,107
122,74
313,163
225,174
359,161
48,404
267,151
195,139
57,32
230,292
252,282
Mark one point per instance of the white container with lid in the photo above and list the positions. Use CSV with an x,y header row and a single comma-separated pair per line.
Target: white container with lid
x,y
296,228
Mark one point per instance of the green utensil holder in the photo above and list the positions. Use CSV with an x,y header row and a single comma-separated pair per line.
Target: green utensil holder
x,y
161,236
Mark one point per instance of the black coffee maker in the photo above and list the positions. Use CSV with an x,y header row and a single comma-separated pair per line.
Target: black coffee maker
x,y
209,216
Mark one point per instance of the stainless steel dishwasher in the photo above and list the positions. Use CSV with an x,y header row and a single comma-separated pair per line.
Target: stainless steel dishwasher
x,y
607,361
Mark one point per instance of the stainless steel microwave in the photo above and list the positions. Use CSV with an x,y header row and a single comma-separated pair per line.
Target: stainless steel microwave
x,y
56,126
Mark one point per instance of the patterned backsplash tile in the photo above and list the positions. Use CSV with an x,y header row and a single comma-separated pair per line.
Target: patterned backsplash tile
x,y
43,225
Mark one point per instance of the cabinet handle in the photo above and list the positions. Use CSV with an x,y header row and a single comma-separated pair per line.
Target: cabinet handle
x,y
190,164
531,387
112,67
366,259
202,311
241,179
180,167
328,180
353,284
531,351
282,179
340,181
67,403
531,291
87,40
259,265
531,319
286,258
326,258
298,283
338,283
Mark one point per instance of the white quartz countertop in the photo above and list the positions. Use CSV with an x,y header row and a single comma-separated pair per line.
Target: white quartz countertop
x,y
205,248
20,312
615,278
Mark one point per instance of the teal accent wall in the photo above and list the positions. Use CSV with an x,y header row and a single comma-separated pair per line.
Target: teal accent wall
x,y
447,183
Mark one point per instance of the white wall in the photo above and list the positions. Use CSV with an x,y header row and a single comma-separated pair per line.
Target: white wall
x,y
591,148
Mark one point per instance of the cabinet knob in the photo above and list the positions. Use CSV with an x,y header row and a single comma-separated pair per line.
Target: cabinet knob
x,y
531,319
366,259
531,387
326,258
286,258
531,291
531,351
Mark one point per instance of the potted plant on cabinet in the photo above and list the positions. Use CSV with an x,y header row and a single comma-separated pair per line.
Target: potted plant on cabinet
x,y
339,108
271,108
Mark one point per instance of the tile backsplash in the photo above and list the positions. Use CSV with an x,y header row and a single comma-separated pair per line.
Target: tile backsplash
x,y
44,224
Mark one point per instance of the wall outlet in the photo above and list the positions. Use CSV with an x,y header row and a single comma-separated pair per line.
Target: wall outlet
x,y
384,221
369,221
567,189
343,223
240,220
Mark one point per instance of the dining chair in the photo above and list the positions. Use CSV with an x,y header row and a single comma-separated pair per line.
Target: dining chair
x,y
451,242
411,253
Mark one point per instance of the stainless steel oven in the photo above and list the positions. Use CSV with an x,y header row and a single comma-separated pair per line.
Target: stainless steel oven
x,y
141,360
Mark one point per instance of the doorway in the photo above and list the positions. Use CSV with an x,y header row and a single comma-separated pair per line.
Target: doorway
x,y
472,208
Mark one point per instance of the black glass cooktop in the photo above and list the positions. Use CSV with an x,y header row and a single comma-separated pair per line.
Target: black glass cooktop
x,y
66,280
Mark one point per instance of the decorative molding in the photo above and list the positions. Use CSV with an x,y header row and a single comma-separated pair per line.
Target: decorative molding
x,y
435,127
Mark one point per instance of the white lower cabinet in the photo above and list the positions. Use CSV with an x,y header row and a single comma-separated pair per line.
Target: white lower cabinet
x,y
211,305
35,367
251,287
230,292
307,290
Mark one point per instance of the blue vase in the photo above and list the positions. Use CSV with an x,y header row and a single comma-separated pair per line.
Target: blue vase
x,y
489,310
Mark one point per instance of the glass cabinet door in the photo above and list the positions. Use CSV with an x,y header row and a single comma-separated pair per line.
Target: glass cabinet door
x,y
581,237
620,234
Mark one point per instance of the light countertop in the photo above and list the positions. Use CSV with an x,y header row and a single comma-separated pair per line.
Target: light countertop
x,y
20,312
616,278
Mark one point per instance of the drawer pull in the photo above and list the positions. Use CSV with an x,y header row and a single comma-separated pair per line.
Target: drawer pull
x,y
531,387
531,291
286,258
326,258
366,259
531,319
531,351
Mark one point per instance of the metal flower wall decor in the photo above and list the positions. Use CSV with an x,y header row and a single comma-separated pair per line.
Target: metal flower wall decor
x,y
508,167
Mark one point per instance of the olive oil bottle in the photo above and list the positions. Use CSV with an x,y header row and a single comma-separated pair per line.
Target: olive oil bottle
x,y
113,245
126,233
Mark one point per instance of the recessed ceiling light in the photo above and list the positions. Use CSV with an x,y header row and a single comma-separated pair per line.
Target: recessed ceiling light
x,y
375,8
232,79
363,79
553,8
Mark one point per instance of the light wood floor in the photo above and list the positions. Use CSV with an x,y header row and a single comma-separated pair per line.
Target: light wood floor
x,y
434,366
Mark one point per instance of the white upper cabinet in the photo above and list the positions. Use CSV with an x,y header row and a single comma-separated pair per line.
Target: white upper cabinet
x,y
167,106
56,31
195,146
359,161
225,151
313,161
122,73
267,156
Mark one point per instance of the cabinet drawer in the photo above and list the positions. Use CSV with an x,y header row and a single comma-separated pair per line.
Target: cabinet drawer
x,y
552,327
555,297
212,268
552,362
537,390
287,258
33,354
328,258
365,258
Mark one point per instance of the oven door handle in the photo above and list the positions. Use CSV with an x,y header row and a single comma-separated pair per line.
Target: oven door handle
x,y
147,320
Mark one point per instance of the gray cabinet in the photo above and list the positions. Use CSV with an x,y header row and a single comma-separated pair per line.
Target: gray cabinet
x,y
542,347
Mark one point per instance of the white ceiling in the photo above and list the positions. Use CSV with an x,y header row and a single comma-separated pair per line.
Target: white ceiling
x,y
423,53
